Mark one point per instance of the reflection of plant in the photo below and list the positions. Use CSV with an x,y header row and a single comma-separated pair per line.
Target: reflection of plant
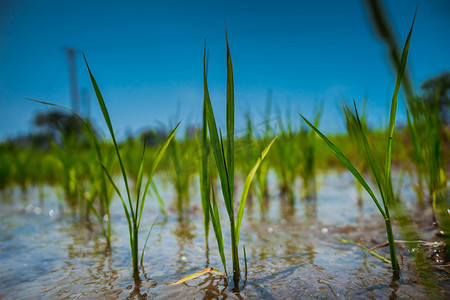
x,y
381,175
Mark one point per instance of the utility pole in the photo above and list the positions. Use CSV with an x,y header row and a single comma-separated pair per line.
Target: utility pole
x,y
74,91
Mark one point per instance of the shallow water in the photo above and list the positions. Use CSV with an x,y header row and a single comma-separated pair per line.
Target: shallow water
x,y
292,251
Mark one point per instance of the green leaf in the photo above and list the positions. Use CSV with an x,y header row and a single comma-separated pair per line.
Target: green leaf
x,y
230,119
215,220
105,113
373,163
248,182
347,163
393,113
155,163
140,176
204,175
146,240
162,207
216,145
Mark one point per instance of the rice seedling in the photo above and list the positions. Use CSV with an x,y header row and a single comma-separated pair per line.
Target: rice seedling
x,y
65,154
161,205
96,176
205,179
99,189
20,170
306,139
133,211
425,127
224,158
247,151
353,131
181,170
382,175
263,170
6,166
286,160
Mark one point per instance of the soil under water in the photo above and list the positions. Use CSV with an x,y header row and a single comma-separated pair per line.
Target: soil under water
x,y
292,251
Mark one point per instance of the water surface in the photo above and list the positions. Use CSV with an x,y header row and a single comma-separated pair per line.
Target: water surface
x,y
292,251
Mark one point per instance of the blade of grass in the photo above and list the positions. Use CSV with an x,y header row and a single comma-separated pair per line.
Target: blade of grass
x,y
393,113
215,220
214,136
248,182
162,207
146,240
156,160
366,249
198,274
140,175
204,176
230,119
105,113
347,163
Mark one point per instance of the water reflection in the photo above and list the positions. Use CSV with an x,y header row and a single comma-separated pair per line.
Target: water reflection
x,y
289,254
184,236
310,210
139,285
287,209
211,286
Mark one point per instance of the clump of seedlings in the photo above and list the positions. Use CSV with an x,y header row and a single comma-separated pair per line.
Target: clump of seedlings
x,y
224,158
133,209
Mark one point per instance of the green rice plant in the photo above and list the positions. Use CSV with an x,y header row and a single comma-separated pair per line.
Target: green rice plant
x,y
99,189
205,179
97,177
20,169
263,170
286,159
382,175
161,205
246,146
131,151
410,234
6,177
133,211
224,158
307,150
181,170
261,179
354,133
69,169
416,108
425,128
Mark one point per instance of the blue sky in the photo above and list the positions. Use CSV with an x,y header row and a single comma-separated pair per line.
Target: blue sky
x,y
147,57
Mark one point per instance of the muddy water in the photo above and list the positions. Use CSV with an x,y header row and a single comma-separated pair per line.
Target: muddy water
x,y
293,251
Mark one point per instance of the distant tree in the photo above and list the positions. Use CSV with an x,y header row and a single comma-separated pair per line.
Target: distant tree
x,y
59,125
438,87
153,136
53,122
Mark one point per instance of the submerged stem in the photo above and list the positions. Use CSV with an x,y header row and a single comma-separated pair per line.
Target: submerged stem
x,y
234,254
392,251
